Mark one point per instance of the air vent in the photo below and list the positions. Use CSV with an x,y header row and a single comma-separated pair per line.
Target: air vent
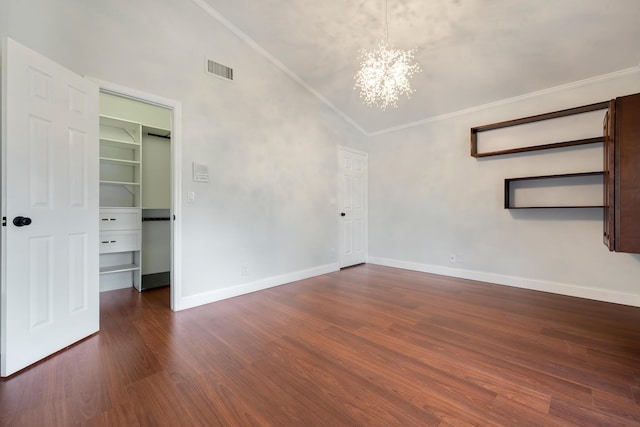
x,y
219,70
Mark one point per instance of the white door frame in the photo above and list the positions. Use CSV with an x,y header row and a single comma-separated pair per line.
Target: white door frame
x,y
176,174
365,203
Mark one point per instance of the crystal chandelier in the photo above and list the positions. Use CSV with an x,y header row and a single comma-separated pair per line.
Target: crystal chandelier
x,y
384,73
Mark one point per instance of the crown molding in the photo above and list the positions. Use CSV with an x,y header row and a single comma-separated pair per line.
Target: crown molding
x,y
259,49
507,101
255,46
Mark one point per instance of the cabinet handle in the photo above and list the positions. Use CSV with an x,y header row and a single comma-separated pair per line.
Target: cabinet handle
x,y
108,241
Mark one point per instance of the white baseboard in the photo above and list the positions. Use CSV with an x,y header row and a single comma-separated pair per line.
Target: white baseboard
x,y
258,285
108,288
597,294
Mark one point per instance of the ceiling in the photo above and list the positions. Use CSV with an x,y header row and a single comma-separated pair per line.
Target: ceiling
x,y
472,52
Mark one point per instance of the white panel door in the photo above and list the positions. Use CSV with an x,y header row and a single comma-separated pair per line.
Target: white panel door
x,y
50,200
352,194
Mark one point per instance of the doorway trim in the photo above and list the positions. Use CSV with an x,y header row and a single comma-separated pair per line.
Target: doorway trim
x,y
176,174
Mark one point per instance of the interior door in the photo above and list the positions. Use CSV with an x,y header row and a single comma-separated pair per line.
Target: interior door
x,y
352,194
49,252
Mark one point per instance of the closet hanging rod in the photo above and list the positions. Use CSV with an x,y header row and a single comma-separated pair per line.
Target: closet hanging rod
x,y
167,136
163,218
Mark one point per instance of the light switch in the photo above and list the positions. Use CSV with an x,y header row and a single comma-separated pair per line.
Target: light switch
x,y
191,196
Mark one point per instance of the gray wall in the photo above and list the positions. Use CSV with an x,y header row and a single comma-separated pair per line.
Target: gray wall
x,y
270,145
271,150
430,199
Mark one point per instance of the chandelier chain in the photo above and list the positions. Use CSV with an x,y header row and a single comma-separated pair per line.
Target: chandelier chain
x,y
386,17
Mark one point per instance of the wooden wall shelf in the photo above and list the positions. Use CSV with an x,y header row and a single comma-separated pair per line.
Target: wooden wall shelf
x,y
533,119
508,202
620,178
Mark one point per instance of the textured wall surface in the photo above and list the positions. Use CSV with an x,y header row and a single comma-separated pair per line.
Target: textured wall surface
x,y
429,199
270,145
271,150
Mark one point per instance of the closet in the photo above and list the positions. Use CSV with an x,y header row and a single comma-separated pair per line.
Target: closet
x,y
135,194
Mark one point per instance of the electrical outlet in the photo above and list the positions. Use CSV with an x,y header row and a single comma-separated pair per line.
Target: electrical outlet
x,y
244,270
332,254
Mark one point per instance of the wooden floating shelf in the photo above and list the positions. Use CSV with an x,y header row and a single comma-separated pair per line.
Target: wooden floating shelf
x,y
509,181
540,147
557,207
533,119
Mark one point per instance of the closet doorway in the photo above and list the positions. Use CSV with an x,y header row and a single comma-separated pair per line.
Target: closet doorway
x,y
137,193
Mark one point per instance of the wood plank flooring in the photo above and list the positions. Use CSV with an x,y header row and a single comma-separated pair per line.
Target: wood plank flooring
x,y
366,346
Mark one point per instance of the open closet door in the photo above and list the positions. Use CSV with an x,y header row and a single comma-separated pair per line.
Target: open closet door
x,y
50,204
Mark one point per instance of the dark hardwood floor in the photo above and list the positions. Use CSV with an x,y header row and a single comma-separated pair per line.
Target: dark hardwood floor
x,y
367,346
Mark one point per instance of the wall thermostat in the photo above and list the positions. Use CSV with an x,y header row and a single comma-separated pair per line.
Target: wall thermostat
x,y
200,172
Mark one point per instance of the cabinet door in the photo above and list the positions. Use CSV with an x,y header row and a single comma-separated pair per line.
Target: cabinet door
x,y
609,177
627,174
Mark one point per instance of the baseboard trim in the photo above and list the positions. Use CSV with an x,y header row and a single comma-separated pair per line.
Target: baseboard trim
x,y
108,288
597,294
258,285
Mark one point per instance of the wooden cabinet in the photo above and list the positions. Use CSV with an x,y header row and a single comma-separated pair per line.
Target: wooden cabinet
x,y
622,175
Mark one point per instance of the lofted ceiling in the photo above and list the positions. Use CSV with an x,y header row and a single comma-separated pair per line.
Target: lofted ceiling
x,y
472,52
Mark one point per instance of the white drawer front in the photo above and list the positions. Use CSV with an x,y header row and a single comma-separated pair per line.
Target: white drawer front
x,y
120,219
120,241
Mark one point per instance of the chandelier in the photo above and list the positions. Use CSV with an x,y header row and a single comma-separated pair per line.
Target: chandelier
x,y
384,73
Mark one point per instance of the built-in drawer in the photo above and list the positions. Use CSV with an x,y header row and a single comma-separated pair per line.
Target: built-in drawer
x,y
120,219
120,241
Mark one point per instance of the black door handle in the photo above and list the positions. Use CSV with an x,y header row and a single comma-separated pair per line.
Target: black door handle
x,y
21,221
342,214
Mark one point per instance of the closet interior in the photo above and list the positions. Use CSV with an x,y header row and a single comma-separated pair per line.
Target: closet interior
x,y
135,194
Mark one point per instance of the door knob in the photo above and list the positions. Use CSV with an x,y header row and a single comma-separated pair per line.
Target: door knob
x,y
21,221
342,214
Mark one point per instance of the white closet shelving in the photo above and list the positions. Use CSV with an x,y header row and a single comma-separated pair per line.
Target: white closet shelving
x,y
120,203
120,163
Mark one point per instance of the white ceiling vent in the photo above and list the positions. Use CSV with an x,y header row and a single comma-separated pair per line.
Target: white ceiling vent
x,y
219,70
